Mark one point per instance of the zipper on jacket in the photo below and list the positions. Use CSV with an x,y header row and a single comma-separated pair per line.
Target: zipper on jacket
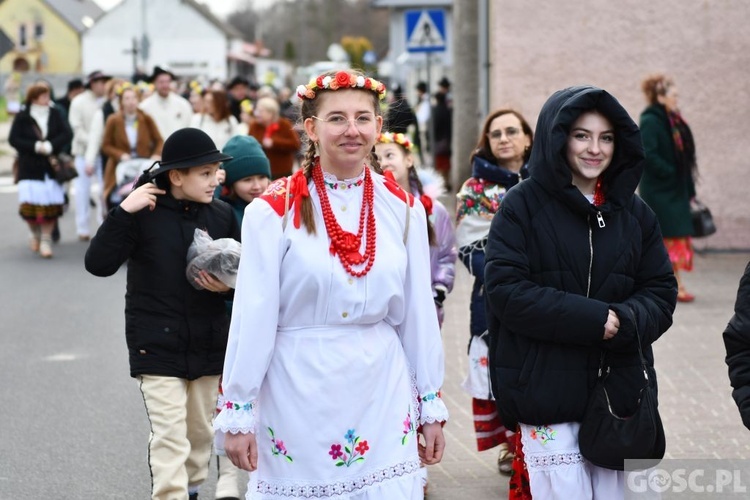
x,y
591,248
600,218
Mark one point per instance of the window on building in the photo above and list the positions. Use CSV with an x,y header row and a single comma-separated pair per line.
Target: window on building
x,y
22,40
38,31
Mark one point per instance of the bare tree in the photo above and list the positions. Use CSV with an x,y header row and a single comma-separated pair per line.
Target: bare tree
x,y
305,28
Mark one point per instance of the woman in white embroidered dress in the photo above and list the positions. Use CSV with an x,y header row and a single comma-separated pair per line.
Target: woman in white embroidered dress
x,y
334,357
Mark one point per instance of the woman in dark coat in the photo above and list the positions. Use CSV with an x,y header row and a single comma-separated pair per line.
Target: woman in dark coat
x,y
38,132
442,129
737,343
668,183
575,266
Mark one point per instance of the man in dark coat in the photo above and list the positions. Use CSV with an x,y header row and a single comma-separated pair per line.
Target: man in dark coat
x,y
75,87
570,278
237,91
737,343
400,117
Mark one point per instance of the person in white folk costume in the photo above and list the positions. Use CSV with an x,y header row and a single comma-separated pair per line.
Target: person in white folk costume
x,y
334,361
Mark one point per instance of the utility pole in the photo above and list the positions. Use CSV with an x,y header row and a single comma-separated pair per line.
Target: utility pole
x,y
465,96
145,42
134,52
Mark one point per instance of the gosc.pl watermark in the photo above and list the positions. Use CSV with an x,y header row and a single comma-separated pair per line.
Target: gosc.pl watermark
x,y
682,479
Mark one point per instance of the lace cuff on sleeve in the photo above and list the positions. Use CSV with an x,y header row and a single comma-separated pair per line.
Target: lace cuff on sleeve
x,y
432,408
236,417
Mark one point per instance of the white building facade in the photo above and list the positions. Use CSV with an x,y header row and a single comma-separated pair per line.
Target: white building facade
x,y
181,35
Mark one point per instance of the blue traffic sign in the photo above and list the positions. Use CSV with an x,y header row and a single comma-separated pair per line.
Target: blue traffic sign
x,y
425,30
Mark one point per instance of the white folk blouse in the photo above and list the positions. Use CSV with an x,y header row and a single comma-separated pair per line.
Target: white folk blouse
x,y
333,373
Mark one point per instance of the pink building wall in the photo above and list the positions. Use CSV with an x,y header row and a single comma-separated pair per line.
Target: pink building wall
x,y
538,47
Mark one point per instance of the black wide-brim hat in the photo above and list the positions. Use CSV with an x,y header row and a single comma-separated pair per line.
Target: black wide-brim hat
x,y
158,70
185,148
96,75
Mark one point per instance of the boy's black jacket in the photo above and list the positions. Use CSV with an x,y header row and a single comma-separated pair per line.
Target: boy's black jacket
x,y
171,328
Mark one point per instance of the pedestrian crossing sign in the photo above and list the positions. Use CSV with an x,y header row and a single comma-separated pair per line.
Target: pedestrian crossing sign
x,y
425,30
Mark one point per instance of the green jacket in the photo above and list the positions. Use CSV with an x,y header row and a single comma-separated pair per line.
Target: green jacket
x,y
661,187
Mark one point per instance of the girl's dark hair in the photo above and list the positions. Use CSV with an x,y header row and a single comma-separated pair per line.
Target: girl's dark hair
x,y
308,109
220,104
483,144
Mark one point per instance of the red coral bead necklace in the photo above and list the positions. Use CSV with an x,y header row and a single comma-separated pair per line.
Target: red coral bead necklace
x,y
345,244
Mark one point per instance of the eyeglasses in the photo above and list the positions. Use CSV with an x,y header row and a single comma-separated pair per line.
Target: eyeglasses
x,y
339,124
510,133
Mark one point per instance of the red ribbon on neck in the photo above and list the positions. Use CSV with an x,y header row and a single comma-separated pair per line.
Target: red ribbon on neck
x,y
427,202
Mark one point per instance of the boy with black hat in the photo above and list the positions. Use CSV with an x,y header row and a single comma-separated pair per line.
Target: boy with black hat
x,y
176,334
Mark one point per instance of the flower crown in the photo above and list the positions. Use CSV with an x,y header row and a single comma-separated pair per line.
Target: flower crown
x,y
341,80
196,87
247,106
391,138
144,86
125,86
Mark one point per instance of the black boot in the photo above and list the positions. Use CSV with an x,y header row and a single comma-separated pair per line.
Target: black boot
x,y
56,233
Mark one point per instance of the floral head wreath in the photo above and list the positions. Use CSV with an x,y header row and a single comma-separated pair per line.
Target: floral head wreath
x,y
125,86
196,87
144,87
247,106
340,80
391,138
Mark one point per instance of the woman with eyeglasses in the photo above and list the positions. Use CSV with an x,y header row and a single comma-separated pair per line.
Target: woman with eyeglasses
x,y
334,362
276,134
498,163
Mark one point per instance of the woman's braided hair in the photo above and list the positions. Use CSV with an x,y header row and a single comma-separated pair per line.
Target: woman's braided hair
x,y
308,109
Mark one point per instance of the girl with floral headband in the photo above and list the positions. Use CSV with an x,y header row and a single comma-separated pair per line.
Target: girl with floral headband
x,y
334,363
395,156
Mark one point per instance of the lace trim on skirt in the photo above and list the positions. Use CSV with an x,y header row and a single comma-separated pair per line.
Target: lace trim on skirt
x,y
307,490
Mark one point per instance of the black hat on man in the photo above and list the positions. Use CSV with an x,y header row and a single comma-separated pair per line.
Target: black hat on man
x,y
238,80
445,83
158,70
95,76
75,84
185,148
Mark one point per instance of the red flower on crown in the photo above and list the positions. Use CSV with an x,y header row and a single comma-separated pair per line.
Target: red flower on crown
x,y
342,79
